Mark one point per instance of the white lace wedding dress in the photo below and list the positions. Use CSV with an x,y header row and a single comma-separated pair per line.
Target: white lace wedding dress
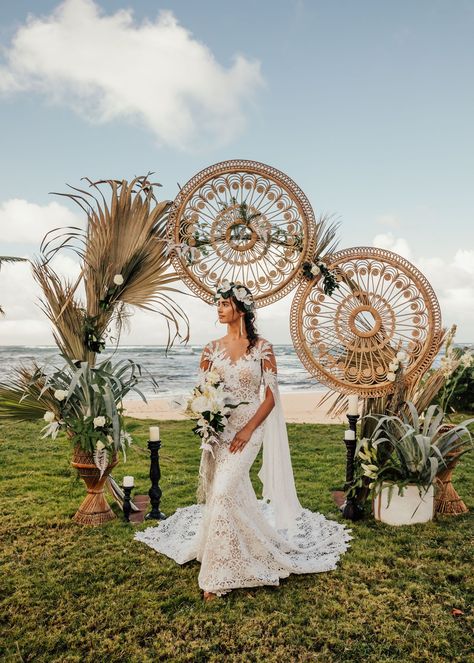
x,y
239,540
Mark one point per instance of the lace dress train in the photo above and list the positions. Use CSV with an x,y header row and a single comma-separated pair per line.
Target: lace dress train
x,y
241,541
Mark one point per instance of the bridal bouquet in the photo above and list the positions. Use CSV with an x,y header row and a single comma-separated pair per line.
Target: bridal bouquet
x,y
210,405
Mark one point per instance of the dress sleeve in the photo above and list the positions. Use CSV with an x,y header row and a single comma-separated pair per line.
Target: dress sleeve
x,y
269,366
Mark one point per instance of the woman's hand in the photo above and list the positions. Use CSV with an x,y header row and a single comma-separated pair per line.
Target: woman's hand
x,y
240,440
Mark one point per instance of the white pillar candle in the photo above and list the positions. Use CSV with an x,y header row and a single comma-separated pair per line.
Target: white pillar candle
x,y
353,405
128,482
154,433
349,435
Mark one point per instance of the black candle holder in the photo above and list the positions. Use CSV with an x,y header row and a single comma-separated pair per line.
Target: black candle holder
x,y
127,507
351,509
155,475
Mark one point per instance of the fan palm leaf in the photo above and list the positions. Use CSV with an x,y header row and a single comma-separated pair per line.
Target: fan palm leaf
x,y
126,237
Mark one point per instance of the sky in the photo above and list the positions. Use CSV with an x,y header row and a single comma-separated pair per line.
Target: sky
x,y
367,105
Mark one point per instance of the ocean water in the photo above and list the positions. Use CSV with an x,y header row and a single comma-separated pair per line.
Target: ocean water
x,y
174,372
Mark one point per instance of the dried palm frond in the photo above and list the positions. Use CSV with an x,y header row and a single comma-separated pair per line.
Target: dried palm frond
x,y
327,226
127,239
64,312
23,398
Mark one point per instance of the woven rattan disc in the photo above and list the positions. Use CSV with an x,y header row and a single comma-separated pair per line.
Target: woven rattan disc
x,y
383,305
243,221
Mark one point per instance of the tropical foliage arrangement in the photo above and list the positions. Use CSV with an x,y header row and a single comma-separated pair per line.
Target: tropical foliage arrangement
x,y
409,450
123,264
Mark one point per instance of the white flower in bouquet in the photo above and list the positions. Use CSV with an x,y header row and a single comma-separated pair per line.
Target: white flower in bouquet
x,y
225,285
60,394
49,416
213,377
200,404
99,445
391,377
118,279
315,270
393,366
99,422
402,355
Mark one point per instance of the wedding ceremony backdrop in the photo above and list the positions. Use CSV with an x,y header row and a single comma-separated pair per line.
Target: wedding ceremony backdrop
x,y
364,321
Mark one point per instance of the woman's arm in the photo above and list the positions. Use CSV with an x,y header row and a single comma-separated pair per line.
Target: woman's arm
x,y
267,405
205,363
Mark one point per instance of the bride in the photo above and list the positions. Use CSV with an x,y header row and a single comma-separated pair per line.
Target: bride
x,y
241,541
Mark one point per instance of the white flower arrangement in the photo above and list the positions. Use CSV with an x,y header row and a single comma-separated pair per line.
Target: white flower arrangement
x,y
49,416
242,294
99,422
209,404
118,279
395,365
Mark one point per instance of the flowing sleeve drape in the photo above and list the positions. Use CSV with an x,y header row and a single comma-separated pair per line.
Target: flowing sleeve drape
x,y
276,473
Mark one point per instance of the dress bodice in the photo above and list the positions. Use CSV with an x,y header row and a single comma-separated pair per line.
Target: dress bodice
x,y
242,378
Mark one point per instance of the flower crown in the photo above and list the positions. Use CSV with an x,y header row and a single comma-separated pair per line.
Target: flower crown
x,y
241,293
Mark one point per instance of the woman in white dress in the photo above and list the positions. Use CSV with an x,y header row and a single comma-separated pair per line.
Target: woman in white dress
x,y
241,541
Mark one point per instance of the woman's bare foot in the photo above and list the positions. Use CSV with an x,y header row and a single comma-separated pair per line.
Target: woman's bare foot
x,y
209,596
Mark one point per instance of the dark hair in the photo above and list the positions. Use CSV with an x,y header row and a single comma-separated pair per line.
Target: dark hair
x,y
249,319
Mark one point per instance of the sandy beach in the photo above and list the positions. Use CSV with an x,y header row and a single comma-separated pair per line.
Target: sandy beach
x,y
299,407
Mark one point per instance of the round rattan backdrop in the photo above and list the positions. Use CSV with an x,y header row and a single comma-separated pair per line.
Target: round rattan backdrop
x,y
383,305
243,221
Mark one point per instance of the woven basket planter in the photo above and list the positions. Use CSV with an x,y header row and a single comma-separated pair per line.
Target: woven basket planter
x,y
95,509
447,501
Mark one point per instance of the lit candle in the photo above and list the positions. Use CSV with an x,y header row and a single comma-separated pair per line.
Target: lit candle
x,y
128,482
353,405
154,433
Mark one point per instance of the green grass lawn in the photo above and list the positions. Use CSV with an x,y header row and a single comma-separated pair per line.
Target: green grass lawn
x,y
71,593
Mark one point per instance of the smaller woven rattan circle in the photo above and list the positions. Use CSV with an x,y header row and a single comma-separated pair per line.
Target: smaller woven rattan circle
x,y
245,222
383,305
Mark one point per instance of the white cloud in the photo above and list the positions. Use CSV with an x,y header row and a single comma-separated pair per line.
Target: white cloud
x,y
452,280
22,222
107,66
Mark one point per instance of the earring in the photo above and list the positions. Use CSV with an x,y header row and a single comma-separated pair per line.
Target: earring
x,y
241,325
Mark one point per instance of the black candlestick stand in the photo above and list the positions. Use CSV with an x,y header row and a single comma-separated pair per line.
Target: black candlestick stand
x,y
155,475
351,509
127,507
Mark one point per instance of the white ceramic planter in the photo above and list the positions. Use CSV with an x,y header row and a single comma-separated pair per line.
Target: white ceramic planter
x,y
401,509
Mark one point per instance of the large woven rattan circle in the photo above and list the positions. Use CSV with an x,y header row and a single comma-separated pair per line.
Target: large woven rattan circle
x,y
246,222
383,305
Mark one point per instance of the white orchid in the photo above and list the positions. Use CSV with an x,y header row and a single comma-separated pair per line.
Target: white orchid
x,y
118,279
391,377
402,355
393,366
60,394
99,445
99,422
49,416
240,294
